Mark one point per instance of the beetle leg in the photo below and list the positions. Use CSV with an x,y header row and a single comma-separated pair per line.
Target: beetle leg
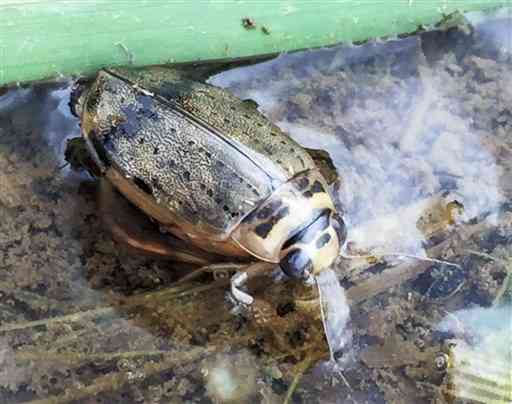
x,y
131,228
239,279
218,270
242,277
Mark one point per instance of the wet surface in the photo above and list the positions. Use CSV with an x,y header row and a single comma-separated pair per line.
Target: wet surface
x,y
420,131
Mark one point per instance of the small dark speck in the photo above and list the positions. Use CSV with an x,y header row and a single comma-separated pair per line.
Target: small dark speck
x,y
263,229
191,143
141,140
225,208
209,193
186,175
302,183
202,186
323,240
284,308
248,23
155,150
317,187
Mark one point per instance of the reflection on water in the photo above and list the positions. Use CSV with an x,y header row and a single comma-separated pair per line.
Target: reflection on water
x,y
419,130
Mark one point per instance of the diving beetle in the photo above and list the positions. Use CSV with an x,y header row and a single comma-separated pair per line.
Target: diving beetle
x,y
211,170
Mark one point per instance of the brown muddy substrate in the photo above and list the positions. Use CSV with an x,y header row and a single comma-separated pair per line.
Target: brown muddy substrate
x,y
420,131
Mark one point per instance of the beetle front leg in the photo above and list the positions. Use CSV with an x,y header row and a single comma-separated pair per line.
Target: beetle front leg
x,y
242,277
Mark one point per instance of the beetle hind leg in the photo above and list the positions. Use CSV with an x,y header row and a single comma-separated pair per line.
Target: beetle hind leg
x,y
132,229
129,227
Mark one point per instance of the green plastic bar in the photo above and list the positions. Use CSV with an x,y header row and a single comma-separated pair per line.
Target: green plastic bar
x,y
46,38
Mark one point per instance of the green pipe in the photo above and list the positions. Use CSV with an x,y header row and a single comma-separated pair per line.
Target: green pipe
x,y
46,38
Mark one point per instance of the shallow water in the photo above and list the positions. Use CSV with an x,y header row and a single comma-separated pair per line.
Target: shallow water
x,y
420,131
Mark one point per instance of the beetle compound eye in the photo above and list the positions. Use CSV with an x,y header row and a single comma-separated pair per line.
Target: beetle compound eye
x,y
296,264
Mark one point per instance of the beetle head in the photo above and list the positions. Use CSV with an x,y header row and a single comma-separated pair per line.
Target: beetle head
x,y
315,247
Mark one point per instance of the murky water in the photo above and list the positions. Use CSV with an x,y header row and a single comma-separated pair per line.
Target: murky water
x,y
420,132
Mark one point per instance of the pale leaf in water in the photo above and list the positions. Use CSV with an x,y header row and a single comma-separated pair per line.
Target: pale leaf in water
x,y
335,312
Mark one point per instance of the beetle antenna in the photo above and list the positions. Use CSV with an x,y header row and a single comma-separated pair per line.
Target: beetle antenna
x,y
400,255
